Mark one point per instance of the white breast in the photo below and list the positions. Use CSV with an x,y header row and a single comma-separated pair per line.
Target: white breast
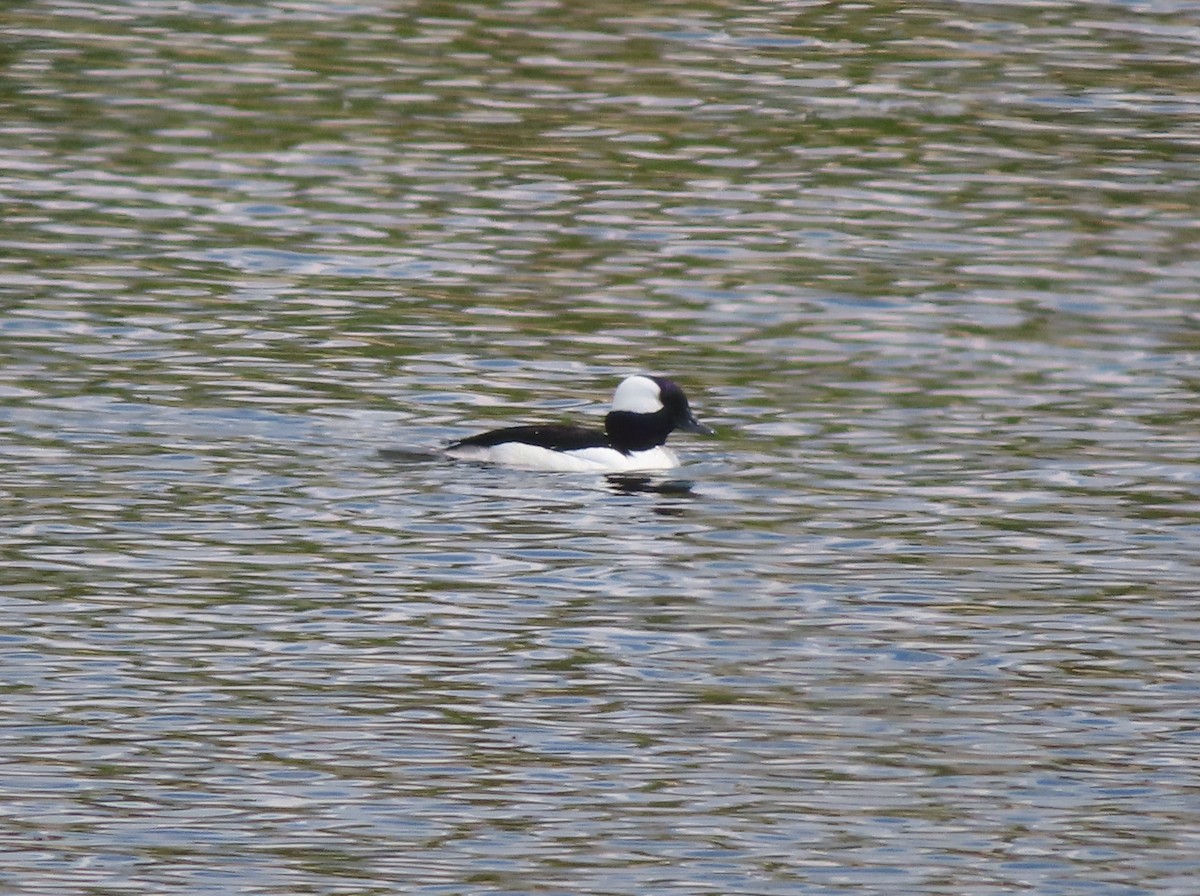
x,y
585,460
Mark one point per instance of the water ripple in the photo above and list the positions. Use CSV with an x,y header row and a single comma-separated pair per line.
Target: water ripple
x,y
920,618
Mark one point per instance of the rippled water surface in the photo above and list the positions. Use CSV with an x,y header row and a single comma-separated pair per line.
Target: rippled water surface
x,y
921,618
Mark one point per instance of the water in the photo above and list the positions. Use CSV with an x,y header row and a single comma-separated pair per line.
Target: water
x,y
920,619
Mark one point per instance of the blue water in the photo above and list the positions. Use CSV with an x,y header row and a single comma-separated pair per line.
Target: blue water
x,y
920,618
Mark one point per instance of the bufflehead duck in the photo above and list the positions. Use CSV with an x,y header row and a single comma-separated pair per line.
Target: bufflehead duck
x,y
645,410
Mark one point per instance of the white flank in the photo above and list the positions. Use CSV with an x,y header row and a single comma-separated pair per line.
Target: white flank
x,y
585,460
639,395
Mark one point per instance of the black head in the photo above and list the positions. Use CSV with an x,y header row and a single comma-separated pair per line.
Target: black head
x,y
647,409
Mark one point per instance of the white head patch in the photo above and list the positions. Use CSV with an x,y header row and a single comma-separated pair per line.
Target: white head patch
x,y
639,395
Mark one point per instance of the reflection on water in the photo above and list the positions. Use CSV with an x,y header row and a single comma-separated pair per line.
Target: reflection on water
x,y
921,619
633,485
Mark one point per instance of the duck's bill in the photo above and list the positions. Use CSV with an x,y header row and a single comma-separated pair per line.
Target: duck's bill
x,y
691,424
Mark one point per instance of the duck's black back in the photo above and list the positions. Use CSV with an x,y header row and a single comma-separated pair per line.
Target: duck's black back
x,y
552,436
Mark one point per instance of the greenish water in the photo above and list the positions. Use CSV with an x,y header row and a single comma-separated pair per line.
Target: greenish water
x,y
920,619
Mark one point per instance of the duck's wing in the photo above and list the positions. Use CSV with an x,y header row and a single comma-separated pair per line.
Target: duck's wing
x,y
552,436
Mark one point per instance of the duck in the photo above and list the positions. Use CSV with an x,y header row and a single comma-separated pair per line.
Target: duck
x,y
645,410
